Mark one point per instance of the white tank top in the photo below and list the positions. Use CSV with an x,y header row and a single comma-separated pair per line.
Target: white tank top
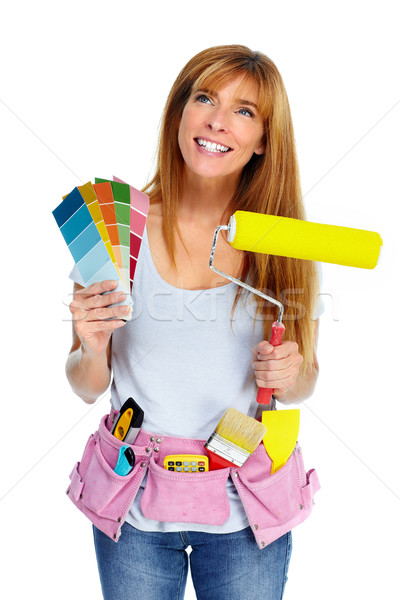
x,y
185,362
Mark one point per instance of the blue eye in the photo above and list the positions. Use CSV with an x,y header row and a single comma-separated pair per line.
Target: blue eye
x,y
246,112
202,98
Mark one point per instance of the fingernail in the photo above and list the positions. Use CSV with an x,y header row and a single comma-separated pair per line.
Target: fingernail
x,y
121,297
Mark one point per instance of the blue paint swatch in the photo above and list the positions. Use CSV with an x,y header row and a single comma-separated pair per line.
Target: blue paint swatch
x,y
85,243
76,224
86,239
96,255
66,209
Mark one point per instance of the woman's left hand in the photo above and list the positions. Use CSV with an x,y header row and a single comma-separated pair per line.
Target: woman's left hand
x,y
276,367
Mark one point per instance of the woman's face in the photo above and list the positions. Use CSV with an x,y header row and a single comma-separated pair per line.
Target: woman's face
x,y
219,132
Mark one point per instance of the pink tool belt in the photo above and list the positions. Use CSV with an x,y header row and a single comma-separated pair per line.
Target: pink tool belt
x,y
274,504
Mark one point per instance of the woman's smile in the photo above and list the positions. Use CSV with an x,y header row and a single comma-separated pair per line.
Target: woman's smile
x,y
211,146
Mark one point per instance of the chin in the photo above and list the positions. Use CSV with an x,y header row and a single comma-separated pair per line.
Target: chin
x,y
210,171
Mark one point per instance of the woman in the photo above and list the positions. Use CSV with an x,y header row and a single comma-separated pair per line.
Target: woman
x,y
195,341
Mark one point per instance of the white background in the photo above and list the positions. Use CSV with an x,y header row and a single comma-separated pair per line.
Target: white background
x,y
81,92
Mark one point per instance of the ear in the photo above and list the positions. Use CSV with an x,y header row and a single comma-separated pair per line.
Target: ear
x,y
260,149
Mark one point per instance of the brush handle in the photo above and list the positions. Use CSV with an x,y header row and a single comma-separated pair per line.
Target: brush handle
x,y
264,394
217,462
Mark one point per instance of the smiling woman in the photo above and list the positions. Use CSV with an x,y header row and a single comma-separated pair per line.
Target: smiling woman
x,y
226,144
221,125
245,90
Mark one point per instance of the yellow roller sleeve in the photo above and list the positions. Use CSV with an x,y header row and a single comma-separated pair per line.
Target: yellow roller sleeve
x,y
283,236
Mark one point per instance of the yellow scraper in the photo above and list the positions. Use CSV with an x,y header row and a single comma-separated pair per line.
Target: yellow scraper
x,y
282,433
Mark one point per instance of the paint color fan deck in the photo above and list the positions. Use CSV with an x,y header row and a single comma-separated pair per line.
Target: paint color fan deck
x,y
102,225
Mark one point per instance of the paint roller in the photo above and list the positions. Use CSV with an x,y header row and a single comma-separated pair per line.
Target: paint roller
x,y
294,238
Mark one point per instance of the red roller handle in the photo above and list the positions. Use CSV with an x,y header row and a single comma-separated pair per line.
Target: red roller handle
x,y
264,394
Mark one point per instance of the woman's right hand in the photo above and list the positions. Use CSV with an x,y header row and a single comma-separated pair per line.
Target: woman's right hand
x,y
90,310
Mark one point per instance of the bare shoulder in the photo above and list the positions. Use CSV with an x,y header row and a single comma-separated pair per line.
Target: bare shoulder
x,y
155,213
155,236
154,224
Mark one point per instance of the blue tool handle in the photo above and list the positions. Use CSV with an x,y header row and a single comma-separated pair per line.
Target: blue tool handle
x,y
126,460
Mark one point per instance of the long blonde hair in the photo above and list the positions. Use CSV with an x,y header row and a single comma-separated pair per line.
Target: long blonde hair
x,y
269,184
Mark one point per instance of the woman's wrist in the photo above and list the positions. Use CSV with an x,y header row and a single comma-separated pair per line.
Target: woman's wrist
x,y
301,390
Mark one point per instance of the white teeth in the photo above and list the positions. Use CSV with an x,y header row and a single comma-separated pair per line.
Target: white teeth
x,y
212,146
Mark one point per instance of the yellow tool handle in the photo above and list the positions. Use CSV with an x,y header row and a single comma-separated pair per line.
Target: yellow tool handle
x,y
121,428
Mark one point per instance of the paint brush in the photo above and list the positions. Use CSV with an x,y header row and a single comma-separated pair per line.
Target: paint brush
x,y
235,438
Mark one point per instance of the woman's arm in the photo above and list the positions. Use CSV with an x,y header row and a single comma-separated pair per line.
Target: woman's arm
x,y
88,366
278,368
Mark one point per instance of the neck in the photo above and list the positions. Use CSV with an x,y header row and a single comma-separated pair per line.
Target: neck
x,y
205,199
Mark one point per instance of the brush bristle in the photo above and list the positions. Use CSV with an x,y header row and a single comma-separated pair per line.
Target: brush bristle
x,y
241,430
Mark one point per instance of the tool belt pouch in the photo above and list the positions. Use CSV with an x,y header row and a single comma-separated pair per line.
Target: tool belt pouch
x,y
274,504
102,495
184,498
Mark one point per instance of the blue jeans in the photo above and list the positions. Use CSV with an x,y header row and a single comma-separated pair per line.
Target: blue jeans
x,y
147,565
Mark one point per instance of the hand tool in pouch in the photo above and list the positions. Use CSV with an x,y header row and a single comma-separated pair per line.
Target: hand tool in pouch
x,y
281,436
126,461
282,236
235,438
129,421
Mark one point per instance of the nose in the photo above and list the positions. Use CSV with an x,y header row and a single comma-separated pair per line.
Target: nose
x,y
218,120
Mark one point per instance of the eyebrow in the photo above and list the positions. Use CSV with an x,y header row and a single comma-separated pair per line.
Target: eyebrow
x,y
247,102
239,100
